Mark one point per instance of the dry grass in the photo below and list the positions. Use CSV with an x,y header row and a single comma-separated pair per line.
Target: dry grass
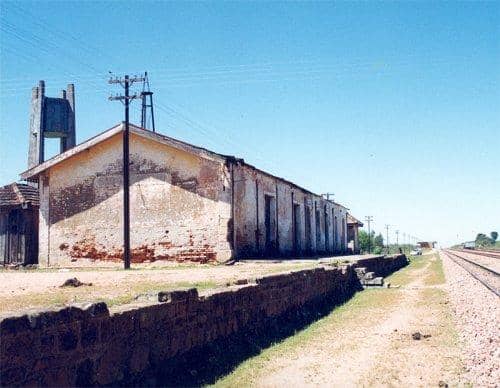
x,y
365,310
407,274
36,289
113,296
436,273
370,303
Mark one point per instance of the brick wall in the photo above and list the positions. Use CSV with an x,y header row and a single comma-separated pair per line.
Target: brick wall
x,y
88,345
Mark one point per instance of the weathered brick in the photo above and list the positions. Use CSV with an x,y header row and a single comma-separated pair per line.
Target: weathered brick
x,y
178,296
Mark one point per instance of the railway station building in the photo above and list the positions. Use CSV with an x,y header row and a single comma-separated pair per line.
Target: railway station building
x,y
186,204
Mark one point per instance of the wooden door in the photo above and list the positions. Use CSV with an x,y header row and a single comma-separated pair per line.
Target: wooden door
x,y
15,238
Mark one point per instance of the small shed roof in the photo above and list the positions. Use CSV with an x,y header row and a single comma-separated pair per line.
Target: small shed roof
x,y
17,194
352,220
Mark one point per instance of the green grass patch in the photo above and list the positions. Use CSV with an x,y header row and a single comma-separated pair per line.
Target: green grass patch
x,y
436,273
407,274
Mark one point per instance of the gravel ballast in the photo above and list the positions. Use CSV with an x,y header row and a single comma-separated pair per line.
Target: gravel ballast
x,y
477,316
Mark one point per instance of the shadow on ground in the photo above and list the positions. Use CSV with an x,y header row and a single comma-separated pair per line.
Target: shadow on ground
x,y
206,365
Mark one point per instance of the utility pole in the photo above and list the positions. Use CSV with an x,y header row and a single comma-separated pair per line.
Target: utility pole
x,y
327,195
397,238
369,219
126,83
387,237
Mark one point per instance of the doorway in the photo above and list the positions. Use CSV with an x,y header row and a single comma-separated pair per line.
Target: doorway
x,y
296,227
307,211
270,223
327,239
15,238
318,230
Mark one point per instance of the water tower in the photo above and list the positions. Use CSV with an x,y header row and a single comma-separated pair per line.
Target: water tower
x,y
50,118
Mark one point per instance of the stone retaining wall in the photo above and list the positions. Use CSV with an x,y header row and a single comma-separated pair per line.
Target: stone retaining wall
x,y
383,265
88,345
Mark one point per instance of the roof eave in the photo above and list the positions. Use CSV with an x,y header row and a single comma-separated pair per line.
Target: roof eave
x,y
207,154
35,171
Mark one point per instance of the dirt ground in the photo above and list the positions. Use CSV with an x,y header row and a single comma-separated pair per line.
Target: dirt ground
x,y
368,341
27,289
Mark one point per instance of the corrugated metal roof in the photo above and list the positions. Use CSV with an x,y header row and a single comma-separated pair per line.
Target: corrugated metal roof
x,y
17,194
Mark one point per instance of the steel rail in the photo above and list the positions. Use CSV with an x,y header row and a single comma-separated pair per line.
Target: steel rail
x,y
492,289
487,250
482,252
479,253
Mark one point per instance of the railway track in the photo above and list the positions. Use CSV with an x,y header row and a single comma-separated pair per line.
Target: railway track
x,y
482,273
497,251
486,253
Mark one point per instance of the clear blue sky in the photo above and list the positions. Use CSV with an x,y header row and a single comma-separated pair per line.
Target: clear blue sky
x,y
394,107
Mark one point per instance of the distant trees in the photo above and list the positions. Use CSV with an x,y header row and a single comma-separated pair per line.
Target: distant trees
x,y
377,242
364,240
484,241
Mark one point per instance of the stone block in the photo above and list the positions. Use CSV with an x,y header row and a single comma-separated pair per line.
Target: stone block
x,y
378,281
13,325
178,296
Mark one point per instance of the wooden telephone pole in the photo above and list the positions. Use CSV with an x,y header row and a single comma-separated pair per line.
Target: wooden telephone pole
x,y
126,82
369,219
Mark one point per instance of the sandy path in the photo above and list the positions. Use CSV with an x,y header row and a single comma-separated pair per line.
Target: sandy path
x,y
341,358
375,347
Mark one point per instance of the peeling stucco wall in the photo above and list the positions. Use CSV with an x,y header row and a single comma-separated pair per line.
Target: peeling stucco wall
x,y
183,204
251,187
180,205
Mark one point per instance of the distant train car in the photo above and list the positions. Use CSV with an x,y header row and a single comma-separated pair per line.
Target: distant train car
x,y
469,245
